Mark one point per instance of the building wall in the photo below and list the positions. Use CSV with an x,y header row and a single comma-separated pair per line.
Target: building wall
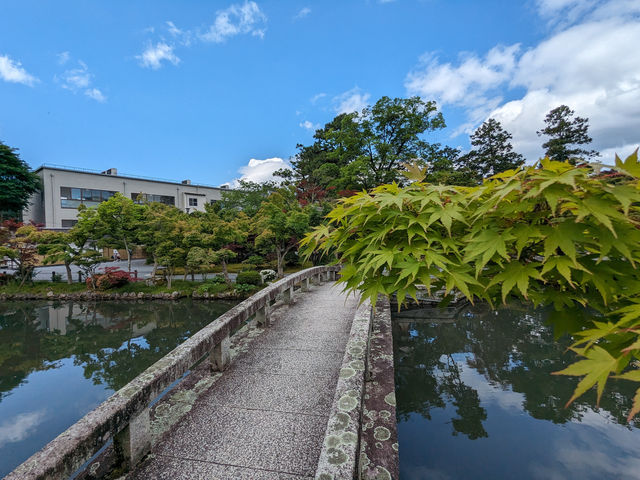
x,y
47,206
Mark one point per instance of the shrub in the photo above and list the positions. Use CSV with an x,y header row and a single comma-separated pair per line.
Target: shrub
x,y
248,267
249,278
112,277
268,275
244,288
255,260
216,280
208,287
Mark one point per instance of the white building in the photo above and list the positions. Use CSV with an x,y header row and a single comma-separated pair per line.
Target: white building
x,y
64,189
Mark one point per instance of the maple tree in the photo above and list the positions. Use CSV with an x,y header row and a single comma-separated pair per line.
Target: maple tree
x,y
550,234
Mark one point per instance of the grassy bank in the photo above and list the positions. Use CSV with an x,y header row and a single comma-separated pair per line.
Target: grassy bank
x,y
181,286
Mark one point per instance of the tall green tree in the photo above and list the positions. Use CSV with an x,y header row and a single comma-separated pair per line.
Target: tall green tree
x,y
363,149
76,246
218,234
117,224
247,198
566,135
280,224
492,152
17,182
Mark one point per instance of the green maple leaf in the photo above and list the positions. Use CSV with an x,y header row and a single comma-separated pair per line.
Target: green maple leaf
x,y
413,172
634,376
630,166
516,274
562,235
626,195
596,368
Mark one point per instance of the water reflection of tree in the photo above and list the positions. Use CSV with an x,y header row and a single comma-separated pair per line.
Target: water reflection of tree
x,y
100,337
512,348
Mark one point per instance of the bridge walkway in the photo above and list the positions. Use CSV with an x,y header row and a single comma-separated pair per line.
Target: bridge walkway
x,y
266,417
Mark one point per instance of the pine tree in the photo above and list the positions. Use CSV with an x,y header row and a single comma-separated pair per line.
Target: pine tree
x,y
566,134
17,183
492,152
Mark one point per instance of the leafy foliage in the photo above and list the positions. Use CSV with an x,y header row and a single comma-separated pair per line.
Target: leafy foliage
x,y
566,134
552,233
112,277
364,149
492,151
249,278
281,222
17,182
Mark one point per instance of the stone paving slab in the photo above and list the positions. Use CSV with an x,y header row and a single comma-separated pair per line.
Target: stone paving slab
x,y
291,362
319,322
296,394
301,340
170,468
285,442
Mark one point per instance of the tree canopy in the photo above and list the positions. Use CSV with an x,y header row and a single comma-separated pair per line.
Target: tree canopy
x,y
361,150
17,182
492,152
552,233
566,134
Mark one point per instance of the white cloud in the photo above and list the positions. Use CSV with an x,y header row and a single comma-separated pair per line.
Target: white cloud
x,y
351,101
260,171
316,97
173,30
78,79
95,94
20,427
63,58
154,55
592,66
238,19
302,13
472,83
307,125
12,71
75,78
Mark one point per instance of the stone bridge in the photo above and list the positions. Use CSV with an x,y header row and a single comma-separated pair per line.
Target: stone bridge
x,y
294,382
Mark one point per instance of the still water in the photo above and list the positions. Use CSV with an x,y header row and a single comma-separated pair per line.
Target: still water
x,y
58,361
476,400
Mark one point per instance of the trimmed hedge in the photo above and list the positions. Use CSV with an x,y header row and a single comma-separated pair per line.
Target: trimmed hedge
x,y
249,278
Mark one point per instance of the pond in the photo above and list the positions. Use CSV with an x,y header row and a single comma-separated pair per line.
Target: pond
x,y
58,361
476,400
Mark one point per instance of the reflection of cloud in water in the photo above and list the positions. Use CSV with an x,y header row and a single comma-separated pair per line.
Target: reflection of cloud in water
x,y
506,399
582,453
20,427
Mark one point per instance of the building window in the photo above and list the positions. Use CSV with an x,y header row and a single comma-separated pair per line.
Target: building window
x,y
145,197
193,202
68,223
71,197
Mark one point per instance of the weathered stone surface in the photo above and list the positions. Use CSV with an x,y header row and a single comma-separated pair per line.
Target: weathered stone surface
x,y
75,446
379,433
338,459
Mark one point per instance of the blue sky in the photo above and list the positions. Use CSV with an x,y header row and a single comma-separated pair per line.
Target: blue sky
x,y
211,90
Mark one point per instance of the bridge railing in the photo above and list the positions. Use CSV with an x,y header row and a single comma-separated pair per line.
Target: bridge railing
x,y
124,416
